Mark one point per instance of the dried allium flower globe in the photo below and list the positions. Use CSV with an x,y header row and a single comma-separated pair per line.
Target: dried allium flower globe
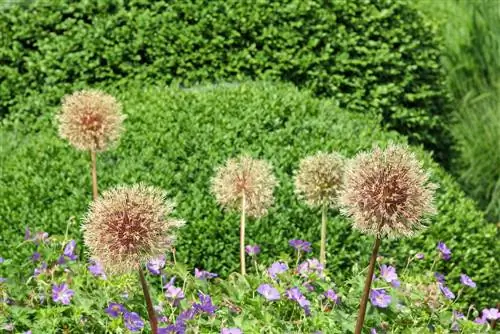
x,y
319,179
90,120
245,176
387,193
129,225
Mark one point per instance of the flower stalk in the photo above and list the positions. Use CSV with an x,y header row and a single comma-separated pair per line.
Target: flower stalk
x,y
93,167
242,235
322,254
149,304
366,290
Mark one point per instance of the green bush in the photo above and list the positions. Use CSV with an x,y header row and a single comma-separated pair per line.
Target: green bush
x,y
176,138
373,57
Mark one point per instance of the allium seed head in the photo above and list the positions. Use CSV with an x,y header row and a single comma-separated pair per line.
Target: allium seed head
x,y
319,179
387,192
245,176
129,225
90,120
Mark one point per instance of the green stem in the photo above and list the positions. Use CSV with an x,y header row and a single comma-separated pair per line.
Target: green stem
x,y
322,253
93,165
242,235
149,304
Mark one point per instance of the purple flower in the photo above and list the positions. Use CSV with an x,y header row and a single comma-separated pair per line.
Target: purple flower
x,y
481,320
295,294
491,314
61,260
62,293
133,321
172,293
205,304
308,286
186,315
156,265
379,298
268,291
2,260
231,331
373,331
40,269
252,250
331,295
96,269
388,273
439,277
203,275
69,250
114,310
172,329
446,292
455,327
396,283
467,281
419,256
458,315
309,267
444,251
300,245
277,268
36,256
3,280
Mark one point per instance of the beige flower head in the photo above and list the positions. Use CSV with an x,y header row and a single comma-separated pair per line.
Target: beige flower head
x,y
245,176
319,179
387,192
129,225
90,120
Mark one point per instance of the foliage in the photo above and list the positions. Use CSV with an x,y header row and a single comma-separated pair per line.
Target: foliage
x,y
416,304
175,139
471,32
378,58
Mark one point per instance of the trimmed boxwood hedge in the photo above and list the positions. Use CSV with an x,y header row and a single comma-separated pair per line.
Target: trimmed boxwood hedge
x,y
176,137
375,57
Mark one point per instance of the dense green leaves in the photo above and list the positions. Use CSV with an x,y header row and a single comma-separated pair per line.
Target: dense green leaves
x,y
175,138
373,57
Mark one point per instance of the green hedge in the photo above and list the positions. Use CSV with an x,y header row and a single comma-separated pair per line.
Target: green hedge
x,y
175,138
377,57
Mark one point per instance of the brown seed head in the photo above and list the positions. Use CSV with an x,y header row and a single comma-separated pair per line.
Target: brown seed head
x,y
245,176
387,192
90,120
129,225
319,179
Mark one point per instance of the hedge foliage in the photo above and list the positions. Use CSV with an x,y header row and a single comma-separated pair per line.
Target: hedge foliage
x,y
377,57
175,139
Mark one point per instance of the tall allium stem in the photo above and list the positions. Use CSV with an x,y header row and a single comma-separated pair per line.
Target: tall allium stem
x,y
242,235
368,284
322,252
149,304
93,165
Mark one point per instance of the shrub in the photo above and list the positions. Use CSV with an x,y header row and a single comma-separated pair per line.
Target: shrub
x,y
373,57
175,139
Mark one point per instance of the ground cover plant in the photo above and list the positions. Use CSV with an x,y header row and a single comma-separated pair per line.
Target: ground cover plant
x,y
191,132
379,58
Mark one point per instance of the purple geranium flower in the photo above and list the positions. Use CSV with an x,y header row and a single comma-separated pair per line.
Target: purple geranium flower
x,y
133,321
467,281
69,250
203,275
205,304
252,250
445,291
62,293
419,256
458,315
114,310
3,280
231,331
331,295
2,260
172,329
156,265
40,269
277,268
380,298
309,267
491,313
295,294
440,277
388,273
36,256
373,331
300,245
268,291
444,251
172,293
96,269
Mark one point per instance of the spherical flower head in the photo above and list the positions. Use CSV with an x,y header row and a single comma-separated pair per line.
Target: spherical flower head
x,y
245,176
319,179
387,193
90,120
129,225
